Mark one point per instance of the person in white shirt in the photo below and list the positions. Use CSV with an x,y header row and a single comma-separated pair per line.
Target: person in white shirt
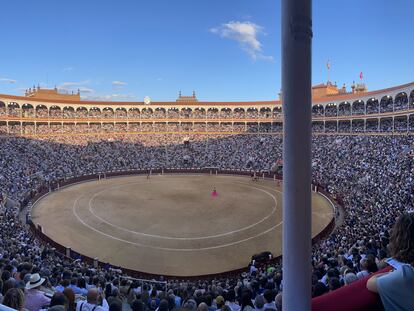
x,y
91,303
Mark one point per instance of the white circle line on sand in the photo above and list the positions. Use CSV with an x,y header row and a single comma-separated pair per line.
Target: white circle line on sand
x,y
181,238
167,248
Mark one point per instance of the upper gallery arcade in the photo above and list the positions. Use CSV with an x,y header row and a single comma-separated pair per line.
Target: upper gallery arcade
x,y
328,102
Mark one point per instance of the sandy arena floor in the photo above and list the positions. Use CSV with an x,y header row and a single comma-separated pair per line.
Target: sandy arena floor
x,y
171,224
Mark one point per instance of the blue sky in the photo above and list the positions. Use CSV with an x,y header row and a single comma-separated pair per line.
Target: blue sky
x,y
223,49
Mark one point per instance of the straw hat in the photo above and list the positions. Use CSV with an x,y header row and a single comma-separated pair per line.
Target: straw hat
x,y
35,281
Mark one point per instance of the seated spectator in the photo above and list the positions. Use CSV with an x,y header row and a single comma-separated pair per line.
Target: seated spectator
x,y
34,297
349,278
59,302
92,302
269,302
396,288
115,305
137,305
319,289
334,284
14,298
202,307
231,301
246,302
278,301
259,303
70,296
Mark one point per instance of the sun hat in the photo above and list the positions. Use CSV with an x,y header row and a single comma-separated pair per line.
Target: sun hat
x,y
35,281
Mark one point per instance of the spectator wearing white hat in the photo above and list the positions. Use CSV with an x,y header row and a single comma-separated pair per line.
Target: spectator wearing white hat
x,y
34,297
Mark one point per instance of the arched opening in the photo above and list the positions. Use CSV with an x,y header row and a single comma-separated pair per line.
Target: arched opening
x,y
372,106
239,113
41,111
68,112
55,112
28,110
173,113
252,112
401,101
134,113
95,112
199,112
107,113
213,113
81,112
13,109
411,100
3,110
147,113
225,113
265,112
358,107
120,112
344,109
159,113
317,111
331,110
277,111
386,104
186,113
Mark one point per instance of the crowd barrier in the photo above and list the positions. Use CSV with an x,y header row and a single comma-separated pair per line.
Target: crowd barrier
x,y
43,190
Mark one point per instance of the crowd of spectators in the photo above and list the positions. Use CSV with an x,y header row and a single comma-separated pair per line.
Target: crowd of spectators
x,y
372,176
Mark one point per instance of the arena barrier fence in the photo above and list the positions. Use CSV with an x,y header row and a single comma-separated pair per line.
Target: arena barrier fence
x,y
34,196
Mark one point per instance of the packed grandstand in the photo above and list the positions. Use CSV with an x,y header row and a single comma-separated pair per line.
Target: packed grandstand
x,y
362,156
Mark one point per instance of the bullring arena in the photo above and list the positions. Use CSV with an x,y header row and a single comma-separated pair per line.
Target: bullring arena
x,y
110,219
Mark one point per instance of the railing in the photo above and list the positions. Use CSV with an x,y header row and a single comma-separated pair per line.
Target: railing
x,y
64,251
353,297
201,119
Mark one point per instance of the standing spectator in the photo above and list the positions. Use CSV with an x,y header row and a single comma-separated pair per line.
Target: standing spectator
x,y
396,288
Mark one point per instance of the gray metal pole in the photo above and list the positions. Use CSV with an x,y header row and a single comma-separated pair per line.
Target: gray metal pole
x,y
296,95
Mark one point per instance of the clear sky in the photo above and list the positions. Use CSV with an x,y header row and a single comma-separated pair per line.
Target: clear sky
x,y
222,49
